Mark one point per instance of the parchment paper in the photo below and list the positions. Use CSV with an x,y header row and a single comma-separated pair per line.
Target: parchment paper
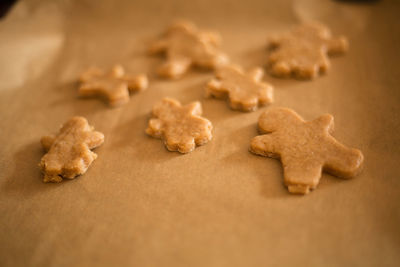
x,y
140,205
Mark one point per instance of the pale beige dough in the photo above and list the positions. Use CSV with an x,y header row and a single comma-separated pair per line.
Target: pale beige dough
x,y
185,46
303,52
114,85
69,152
245,90
305,148
180,127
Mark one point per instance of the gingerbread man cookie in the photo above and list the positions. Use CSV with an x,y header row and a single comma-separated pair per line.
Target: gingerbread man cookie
x,y
303,52
114,85
184,46
68,153
181,127
305,148
245,91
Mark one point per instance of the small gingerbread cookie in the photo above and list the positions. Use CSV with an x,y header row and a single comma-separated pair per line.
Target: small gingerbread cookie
x,y
184,46
181,127
245,91
303,52
114,85
68,153
305,148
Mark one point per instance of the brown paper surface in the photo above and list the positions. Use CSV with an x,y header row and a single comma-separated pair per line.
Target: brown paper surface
x,y
140,205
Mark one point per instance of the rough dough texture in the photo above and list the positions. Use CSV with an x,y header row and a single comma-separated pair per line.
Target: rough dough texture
x,y
184,46
245,91
303,52
305,148
68,153
113,85
180,127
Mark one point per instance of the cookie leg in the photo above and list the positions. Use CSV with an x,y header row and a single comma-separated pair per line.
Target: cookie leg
x,y
244,103
174,143
266,94
306,71
324,64
186,146
52,178
301,176
51,170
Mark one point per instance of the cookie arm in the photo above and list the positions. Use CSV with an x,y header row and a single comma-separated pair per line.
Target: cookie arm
x,y
182,25
158,46
47,142
194,108
256,74
214,88
117,71
265,145
337,45
87,89
279,68
91,73
342,161
274,41
155,128
211,37
137,83
218,87
325,122
94,139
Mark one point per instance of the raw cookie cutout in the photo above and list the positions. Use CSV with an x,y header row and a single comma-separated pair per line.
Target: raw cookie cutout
x,y
305,148
114,85
303,52
185,46
245,90
180,127
68,153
